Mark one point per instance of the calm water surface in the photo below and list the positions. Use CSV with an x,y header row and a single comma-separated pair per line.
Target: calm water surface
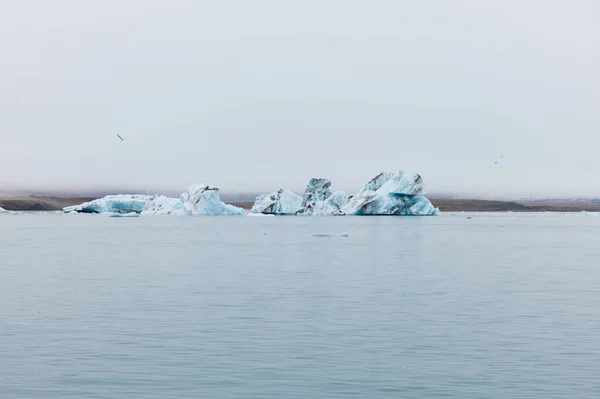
x,y
497,306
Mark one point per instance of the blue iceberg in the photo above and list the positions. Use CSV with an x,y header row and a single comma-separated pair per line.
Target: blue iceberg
x,y
398,194
281,202
391,194
199,199
202,199
121,204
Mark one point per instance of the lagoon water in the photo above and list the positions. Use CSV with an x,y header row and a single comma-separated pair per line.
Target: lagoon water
x,y
497,306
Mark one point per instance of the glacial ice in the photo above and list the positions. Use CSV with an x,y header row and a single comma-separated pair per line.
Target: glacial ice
x,y
386,194
281,202
199,199
391,194
318,199
161,205
125,215
316,191
122,203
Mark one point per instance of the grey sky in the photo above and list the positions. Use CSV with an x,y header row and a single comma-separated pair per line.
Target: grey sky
x,y
271,93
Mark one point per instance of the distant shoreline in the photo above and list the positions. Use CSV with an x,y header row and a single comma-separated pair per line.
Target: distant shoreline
x,y
35,203
39,203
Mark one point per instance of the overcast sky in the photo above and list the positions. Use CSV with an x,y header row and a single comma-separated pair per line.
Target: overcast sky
x,y
257,95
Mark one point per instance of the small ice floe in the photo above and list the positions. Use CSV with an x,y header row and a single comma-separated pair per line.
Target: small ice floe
x,y
330,235
125,215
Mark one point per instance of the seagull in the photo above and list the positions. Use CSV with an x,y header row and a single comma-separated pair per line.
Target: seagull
x,y
120,138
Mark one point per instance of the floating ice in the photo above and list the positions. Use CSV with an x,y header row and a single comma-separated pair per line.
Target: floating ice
x,y
282,202
121,203
316,191
199,199
330,235
2,209
391,194
332,205
161,205
587,213
318,199
385,194
125,215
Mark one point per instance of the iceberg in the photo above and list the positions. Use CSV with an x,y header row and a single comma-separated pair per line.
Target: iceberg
x,y
2,209
318,199
317,190
161,205
281,202
122,204
199,199
391,194
398,194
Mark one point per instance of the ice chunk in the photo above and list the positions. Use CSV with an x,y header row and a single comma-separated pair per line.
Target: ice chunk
x,y
403,183
2,209
316,190
330,235
386,194
161,205
122,203
125,215
318,199
375,183
201,199
391,194
330,206
281,202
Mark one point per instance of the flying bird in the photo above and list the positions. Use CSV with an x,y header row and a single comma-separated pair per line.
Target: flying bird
x,y
120,138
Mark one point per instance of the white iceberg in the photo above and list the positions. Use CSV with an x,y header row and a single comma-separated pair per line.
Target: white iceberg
x,y
316,191
318,199
391,194
161,205
281,202
386,194
332,205
2,210
199,199
122,204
